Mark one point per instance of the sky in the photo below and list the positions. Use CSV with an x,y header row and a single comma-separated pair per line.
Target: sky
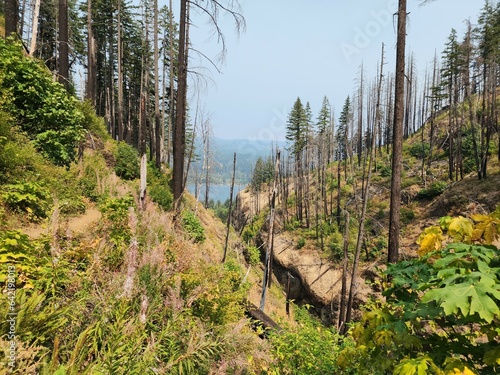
x,y
307,49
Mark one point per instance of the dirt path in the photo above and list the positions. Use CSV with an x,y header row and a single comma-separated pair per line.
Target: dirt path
x,y
76,224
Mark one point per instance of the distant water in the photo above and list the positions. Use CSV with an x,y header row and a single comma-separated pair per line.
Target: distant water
x,y
216,192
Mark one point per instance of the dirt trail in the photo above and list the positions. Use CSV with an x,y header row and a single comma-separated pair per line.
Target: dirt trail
x,y
78,224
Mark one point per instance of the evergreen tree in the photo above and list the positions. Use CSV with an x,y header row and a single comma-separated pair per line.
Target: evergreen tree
x,y
296,131
342,137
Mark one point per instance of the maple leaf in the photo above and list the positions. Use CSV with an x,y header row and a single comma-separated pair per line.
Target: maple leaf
x,y
430,240
486,228
461,229
467,298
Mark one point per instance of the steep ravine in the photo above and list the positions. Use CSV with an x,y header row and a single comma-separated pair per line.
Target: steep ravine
x,y
312,279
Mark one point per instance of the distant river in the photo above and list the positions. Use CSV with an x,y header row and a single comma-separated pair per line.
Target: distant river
x,y
216,192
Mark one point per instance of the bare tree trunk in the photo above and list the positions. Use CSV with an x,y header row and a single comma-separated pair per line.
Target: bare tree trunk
x,y
91,58
34,32
171,108
366,196
230,209
158,139
63,44
179,133
343,293
397,147
119,62
270,237
207,171
11,17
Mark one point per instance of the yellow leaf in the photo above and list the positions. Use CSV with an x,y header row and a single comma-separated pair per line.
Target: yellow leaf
x,y
460,229
429,241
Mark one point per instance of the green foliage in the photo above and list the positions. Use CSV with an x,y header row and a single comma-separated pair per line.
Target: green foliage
x,y
263,173
252,255
435,189
308,348
40,105
251,230
29,198
90,182
18,157
385,171
221,210
407,215
116,218
127,162
159,188
16,250
218,293
297,128
442,310
301,242
419,150
193,227
336,246
91,121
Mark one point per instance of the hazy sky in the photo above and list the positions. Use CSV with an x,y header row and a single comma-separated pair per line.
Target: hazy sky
x,y
309,49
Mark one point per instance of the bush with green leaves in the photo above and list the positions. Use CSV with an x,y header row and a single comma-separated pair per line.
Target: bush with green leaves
x,y
193,227
252,255
308,348
18,157
42,107
442,310
159,188
91,121
127,162
419,150
116,219
27,197
435,189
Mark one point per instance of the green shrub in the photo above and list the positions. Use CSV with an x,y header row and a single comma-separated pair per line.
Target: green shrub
x,y
419,150
407,215
27,197
435,189
301,243
193,227
42,107
115,213
436,306
336,246
308,348
127,162
17,154
252,255
385,171
159,188
91,121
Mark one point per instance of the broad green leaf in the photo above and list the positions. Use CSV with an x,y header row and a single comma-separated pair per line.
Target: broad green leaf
x,y
466,298
413,366
492,357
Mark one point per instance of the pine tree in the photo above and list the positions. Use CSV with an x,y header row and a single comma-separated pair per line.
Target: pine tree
x,y
297,128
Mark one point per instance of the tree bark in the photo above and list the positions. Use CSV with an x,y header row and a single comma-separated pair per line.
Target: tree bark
x,y
63,44
11,17
229,210
179,133
397,139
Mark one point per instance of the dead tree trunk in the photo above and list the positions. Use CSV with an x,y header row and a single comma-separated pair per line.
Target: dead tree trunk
x,y
229,210
270,237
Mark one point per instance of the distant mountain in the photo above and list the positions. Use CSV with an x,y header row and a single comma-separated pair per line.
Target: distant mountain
x,y
247,153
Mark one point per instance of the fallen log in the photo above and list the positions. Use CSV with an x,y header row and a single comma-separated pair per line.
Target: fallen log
x,y
261,319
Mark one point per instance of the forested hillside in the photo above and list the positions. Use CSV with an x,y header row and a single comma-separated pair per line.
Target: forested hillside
x,y
109,266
